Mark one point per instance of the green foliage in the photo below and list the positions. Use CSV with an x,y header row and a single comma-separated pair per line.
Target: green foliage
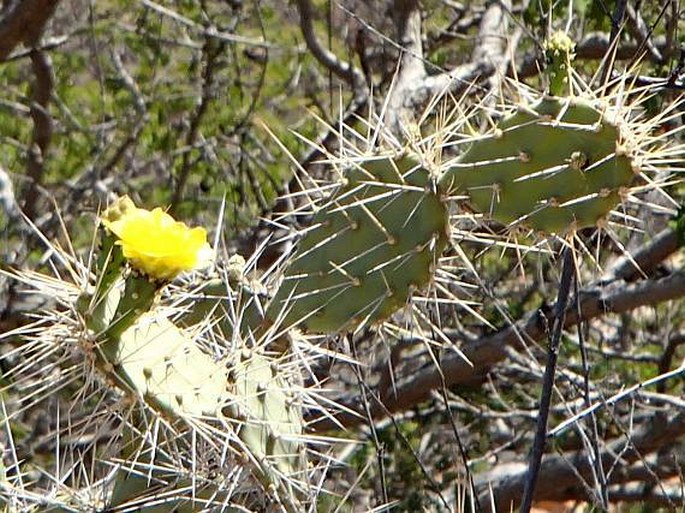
x,y
154,104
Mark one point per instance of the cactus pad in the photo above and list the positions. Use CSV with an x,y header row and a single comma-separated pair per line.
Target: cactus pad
x,y
228,302
156,361
559,165
370,246
272,422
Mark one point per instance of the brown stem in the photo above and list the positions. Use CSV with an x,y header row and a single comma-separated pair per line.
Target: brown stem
x,y
413,388
41,92
339,67
562,472
23,22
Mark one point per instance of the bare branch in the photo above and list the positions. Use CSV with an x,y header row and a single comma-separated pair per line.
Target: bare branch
x,y
23,22
490,56
639,29
413,386
141,115
539,441
211,52
643,261
411,70
340,68
207,31
41,92
562,472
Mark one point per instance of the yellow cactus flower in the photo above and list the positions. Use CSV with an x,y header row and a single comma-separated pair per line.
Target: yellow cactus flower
x,y
156,244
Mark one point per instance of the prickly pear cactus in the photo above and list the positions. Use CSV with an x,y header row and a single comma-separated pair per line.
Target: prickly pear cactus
x,y
260,406
272,419
159,363
375,241
556,166
166,375
231,302
138,348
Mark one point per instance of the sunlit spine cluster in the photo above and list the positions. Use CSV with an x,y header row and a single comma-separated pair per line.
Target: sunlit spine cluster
x,y
203,386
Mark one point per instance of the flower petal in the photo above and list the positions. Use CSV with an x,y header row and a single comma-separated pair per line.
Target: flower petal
x,y
158,245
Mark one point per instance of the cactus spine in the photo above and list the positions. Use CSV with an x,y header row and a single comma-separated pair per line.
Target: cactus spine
x,y
552,165
159,366
556,166
374,242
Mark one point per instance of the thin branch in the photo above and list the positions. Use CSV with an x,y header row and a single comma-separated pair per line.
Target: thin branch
x,y
616,26
567,278
640,30
41,92
460,445
207,31
416,385
599,475
563,471
458,28
46,45
140,120
623,394
339,67
211,52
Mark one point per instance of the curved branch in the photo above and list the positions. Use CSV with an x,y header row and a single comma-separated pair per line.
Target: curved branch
x,y
490,56
643,262
340,68
413,388
23,22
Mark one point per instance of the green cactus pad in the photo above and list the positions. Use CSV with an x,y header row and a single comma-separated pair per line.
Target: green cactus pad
x,y
111,261
557,166
373,242
272,423
226,302
156,361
